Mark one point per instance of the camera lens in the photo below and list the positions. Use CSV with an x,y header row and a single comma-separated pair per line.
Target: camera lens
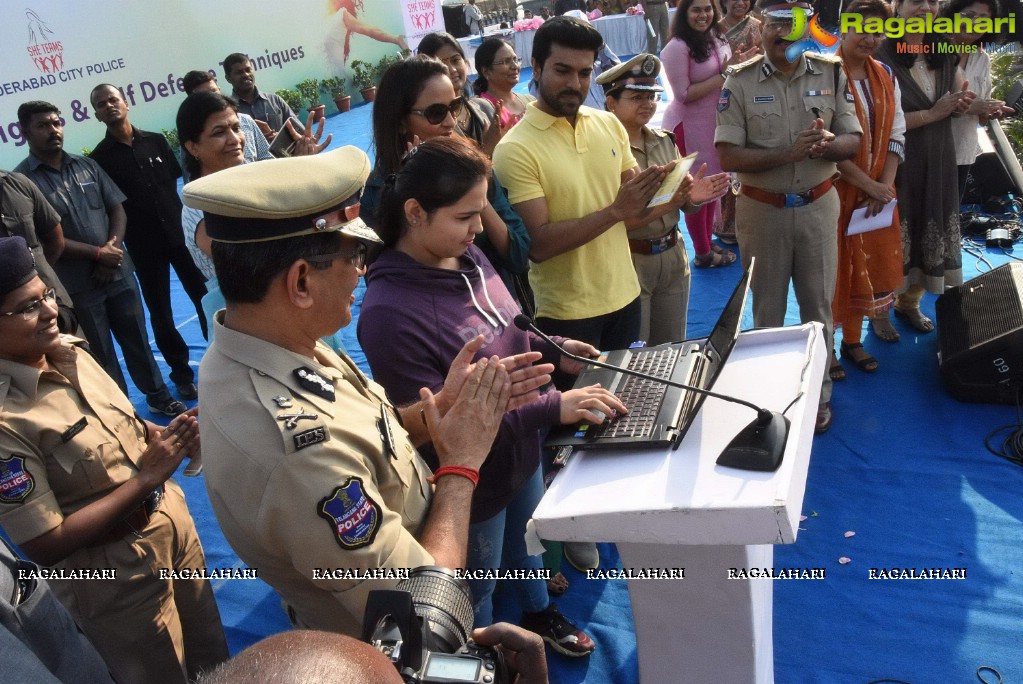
x,y
444,601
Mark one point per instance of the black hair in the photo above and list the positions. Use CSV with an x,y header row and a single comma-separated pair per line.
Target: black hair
x,y
194,79
437,174
567,32
905,58
105,85
485,60
398,91
956,6
231,60
432,43
880,9
699,42
191,121
29,109
245,270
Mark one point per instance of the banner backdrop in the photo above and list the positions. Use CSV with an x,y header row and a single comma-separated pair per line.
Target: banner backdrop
x,y
58,51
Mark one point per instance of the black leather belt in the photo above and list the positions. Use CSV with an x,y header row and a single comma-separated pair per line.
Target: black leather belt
x,y
655,246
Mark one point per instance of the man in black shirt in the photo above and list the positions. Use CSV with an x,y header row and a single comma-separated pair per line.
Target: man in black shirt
x,y
146,170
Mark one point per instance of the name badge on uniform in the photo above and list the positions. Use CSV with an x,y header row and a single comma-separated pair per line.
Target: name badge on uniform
x,y
762,99
387,432
815,93
70,433
354,517
849,96
16,483
314,382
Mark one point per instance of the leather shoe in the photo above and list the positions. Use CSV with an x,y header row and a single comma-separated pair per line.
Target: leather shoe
x,y
824,419
187,391
582,556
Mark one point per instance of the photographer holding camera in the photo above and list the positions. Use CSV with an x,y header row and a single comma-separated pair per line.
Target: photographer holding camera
x,y
308,657
312,473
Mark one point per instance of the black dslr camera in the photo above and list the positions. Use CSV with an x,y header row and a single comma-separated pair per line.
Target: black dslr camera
x,y
423,627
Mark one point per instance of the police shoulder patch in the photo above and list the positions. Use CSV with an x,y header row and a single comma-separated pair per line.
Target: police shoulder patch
x,y
353,516
724,99
16,482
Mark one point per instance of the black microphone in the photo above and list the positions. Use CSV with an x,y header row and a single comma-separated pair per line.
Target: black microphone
x,y
758,446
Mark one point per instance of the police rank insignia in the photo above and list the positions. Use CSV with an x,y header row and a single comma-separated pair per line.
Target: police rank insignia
x,y
314,382
310,437
16,483
723,99
354,516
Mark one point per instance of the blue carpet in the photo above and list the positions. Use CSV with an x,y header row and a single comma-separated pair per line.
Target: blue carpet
x,y
904,467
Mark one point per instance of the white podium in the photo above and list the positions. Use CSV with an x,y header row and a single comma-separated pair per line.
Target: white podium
x,y
679,509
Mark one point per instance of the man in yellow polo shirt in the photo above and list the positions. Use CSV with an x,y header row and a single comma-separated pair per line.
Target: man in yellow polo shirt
x,y
572,178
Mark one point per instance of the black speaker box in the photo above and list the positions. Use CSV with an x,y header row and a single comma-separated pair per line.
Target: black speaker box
x,y
980,336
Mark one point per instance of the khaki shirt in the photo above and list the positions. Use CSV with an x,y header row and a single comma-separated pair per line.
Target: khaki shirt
x,y
68,437
761,108
658,148
340,487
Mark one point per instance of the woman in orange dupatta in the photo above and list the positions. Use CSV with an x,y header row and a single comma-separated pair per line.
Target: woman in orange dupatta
x,y
869,263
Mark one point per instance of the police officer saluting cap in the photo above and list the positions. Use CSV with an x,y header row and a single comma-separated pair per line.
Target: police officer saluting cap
x,y
784,121
313,474
639,73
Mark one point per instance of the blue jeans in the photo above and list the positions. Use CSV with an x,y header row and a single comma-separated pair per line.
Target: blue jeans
x,y
500,543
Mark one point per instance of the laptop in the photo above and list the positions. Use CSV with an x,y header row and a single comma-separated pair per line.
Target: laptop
x,y
659,416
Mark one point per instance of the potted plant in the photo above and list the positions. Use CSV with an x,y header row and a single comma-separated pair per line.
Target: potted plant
x,y
310,91
293,98
335,87
363,79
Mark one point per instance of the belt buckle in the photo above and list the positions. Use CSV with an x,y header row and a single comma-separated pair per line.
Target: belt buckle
x,y
800,199
657,246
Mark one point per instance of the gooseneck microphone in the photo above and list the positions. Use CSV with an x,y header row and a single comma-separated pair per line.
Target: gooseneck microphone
x,y
758,446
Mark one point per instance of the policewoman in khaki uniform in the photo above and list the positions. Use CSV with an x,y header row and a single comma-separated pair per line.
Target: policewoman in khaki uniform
x,y
84,489
631,92
783,126
312,473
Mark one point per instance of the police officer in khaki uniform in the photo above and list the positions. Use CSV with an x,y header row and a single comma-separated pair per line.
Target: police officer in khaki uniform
x,y
662,266
84,489
312,473
783,126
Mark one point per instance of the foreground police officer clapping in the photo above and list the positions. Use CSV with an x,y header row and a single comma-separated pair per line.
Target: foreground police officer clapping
x,y
312,473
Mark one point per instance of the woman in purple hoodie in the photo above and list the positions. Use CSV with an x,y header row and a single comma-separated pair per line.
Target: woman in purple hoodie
x,y
428,293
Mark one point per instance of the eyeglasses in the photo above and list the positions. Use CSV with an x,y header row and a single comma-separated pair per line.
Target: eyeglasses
x,y
436,113
31,310
356,259
510,61
642,97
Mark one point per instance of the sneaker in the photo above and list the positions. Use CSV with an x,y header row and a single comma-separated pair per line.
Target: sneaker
x,y
170,407
563,636
187,391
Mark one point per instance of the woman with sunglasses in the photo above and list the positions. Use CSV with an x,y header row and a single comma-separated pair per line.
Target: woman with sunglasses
x,y
430,289
498,69
472,120
416,101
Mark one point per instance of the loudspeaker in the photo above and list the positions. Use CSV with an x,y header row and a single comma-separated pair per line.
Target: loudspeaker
x,y
980,336
996,171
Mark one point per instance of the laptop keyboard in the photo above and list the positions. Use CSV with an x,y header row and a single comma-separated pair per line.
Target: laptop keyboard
x,y
643,397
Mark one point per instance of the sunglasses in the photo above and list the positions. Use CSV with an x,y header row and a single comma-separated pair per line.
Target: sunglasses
x,y
436,113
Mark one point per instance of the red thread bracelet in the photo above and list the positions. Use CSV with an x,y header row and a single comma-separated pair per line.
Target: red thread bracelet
x,y
468,473
96,258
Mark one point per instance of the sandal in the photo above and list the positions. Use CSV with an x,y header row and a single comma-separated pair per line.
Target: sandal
x,y
836,372
883,328
916,318
867,364
714,259
557,585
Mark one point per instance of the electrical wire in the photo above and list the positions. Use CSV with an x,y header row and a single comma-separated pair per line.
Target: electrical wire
x,y
1011,448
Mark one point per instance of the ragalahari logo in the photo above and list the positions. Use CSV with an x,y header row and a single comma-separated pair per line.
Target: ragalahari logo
x,y
808,36
47,54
